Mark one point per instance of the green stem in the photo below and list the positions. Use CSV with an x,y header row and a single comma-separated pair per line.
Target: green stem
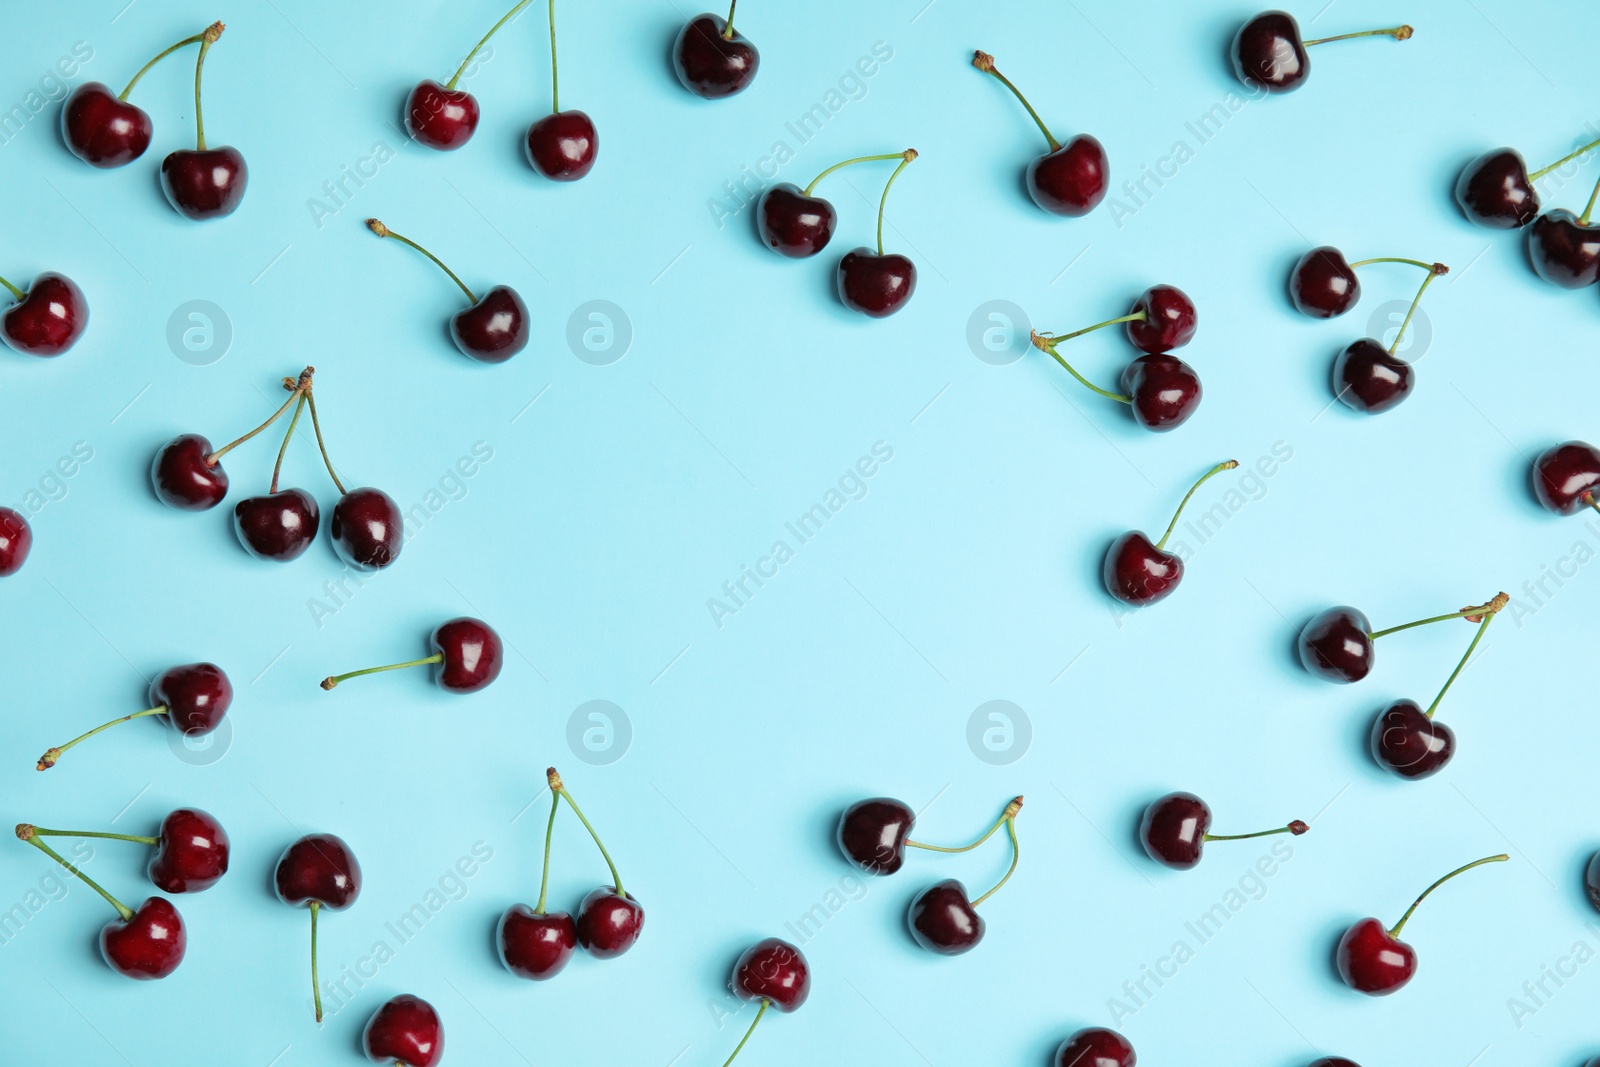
x,y
1227,465
727,31
1583,220
1047,346
1011,810
26,833
277,467
206,40
1482,626
555,80
1568,158
42,832
1394,931
1392,259
18,293
123,96
316,987
549,830
1437,270
311,401
507,17
50,757
883,202
985,62
561,791
329,683
1399,33
1296,828
1057,338
765,1004
231,445
1590,500
1016,854
848,162
1462,614
383,231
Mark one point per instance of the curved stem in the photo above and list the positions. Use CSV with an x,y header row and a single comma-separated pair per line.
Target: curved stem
x,y
1392,259
561,792
1482,626
26,833
1394,931
507,17
1589,499
329,683
277,467
1297,827
311,402
549,829
555,79
50,756
1568,158
883,202
1016,854
123,96
316,987
765,1004
383,231
985,62
1010,812
727,31
1047,345
1057,338
207,39
1438,269
1464,613
42,832
848,162
1399,33
1227,465
1588,209
18,293
212,459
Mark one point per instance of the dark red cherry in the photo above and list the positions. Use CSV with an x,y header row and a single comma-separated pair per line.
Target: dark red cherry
x,y
318,869
279,526
1564,249
1371,961
186,477
943,920
1333,1061
46,320
1565,478
191,852
1407,743
792,223
406,1032
1070,180
1591,881
1269,53
872,834
440,117
1169,319
147,946
102,130
16,541
1137,572
608,924
1173,830
1369,379
367,529
472,655
1165,391
562,146
712,59
1323,284
205,184
534,945
876,285
1336,645
1494,191
1095,1046
196,697
494,328
773,970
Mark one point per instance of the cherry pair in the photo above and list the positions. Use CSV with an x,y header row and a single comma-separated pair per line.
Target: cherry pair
x,y
1070,179
1496,190
315,872
1160,389
16,541
1269,52
467,655
47,318
562,146
104,130
773,974
405,1031
191,849
711,59
192,699
538,944
1137,571
1565,478
491,328
1338,646
1175,829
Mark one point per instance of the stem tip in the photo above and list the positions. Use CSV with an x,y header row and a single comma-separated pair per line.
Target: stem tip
x,y
329,682
47,760
1440,269
1012,809
212,32
24,831
983,61
554,778
1404,33
910,154
1298,827
377,227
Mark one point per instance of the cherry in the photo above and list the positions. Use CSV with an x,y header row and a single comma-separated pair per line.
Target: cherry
x,y
406,1031
1070,179
46,320
795,223
942,919
188,475
775,973
1496,190
16,541
279,526
1370,378
442,116
1095,1046
1564,248
367,529
1323,283
191,850
317,871
204,183
1334,1061
563,145
1139,572
1591,881
1373,960
1163,318
534,943
467,656
1565,479
1268,52
608,923
876,284
1174,827
142,943
874,834
1163,390
492,328
1336,645
192,698
711,59
103,129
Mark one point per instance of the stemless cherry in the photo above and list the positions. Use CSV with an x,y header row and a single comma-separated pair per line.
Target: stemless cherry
x,y
1496,190
204,183
1268,52
367,529
1370,378
467,656
1565,479
191,698
873,283
444,117
795,223
564,144
1174,829
103,129
773,973
712,59
317,871
16,541
492,328
1095,1046
1071,179
406,1032
46,320
1136,571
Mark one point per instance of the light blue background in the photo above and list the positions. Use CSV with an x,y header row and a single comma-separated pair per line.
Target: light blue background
x,y
616,505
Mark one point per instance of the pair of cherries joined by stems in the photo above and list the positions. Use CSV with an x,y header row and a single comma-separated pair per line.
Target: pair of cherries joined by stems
x,y
106,131
467,655
1565,478
1269,51
192,699
366,527
874,834
1174,830
491,328
1338,645
796,224
1139,571
47,318
16,541
148,942
315,872
713,60
1496,190
562,146
1070,179
538,944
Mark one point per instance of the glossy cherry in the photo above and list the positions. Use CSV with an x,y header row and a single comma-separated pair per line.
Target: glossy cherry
x,y
1565,248
1333,1061
1139,571
563,145
1336,645
1071,178
102,128
443,116
492,328
1373,960
1163,318
795,223
186,474
1323,284
1174,830
1591,881
608,923
317,871
943,920
1406,742
1162,390
279,526
367,529
192,852
875,283
406,1032
535,944
467,656
192,698
1269,53
872,834
16,541
1370,379
204,183
1496,190
46,320
1095,1046
1565,479
712,59
774,974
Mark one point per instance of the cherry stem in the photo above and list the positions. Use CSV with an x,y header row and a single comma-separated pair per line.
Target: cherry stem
x,y
549,830
383,231
1227,465
50,757
277,467
1054,339
1399,33
507,17
207,39
1010,812
1297,827
28,833
883,202
329,683
727,31
985,62
1482,626
311,402
1589,499
1465,613
1437,270
1568,158
18,293
1392,259
561,791
1047,344
123,96
765,1004
316,987
555,80
1394,931
294,393
1583,220
42,832
846,163
1016,854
